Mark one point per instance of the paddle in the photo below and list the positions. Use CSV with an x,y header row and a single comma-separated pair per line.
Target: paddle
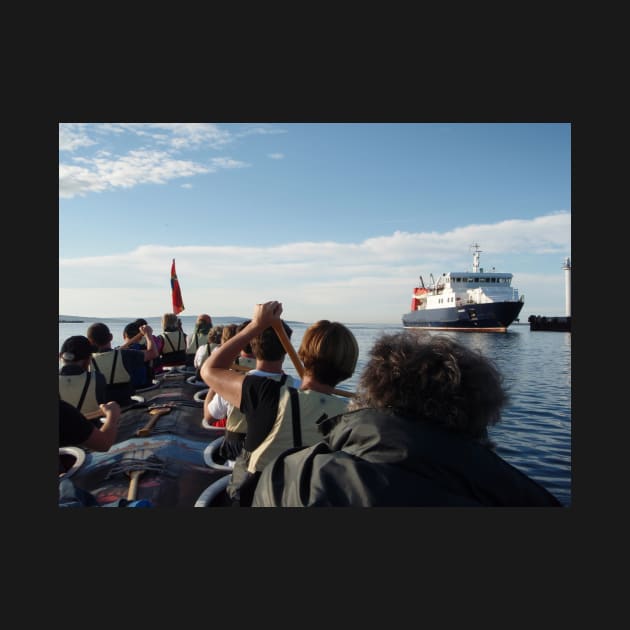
x,y
93,415
132,492
290,350
156,412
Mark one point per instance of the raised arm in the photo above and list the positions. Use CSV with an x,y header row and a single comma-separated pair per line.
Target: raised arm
x,y
135,339
215,370
103,438
151,352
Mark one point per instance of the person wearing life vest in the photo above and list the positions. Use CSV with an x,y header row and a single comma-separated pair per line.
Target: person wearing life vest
x,y
142,378
280,416
198,337
269,355
213,341
134,340
174,338
215,408
118,365
78,386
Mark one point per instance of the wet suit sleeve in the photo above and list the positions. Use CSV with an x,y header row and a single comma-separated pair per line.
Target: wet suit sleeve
x,y
259,402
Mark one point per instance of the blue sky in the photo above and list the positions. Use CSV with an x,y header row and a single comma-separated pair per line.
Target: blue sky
x,y
336,220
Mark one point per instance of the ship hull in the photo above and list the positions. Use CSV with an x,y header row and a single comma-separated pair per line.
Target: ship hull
x,y
490,317
558,324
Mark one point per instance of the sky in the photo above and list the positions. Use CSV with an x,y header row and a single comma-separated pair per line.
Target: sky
x,y
335,220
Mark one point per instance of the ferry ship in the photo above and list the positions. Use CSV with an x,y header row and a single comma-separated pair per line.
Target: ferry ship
x,y
474,300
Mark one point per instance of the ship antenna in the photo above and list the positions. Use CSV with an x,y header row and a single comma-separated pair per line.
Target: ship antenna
x,y
476,253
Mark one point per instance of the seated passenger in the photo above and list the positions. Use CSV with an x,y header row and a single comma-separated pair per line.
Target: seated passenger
x,y
280,416
174,341
270,354
198,337
76,430
415,435
118,365
78,386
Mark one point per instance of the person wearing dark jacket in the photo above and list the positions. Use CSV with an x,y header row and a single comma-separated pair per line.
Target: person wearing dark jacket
x,y
415,435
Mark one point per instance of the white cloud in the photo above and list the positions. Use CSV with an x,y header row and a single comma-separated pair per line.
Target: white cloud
x,y
275,156
181,135
261,131
73,137
368,282
226,162
156,158
100,173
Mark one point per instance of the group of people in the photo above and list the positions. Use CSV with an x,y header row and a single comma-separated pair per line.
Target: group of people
x,y
96,379
415,433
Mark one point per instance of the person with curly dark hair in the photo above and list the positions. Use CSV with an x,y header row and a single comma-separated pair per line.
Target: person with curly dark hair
x,y
415,435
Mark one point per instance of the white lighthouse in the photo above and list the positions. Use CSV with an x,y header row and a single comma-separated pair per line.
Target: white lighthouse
x,y
567,286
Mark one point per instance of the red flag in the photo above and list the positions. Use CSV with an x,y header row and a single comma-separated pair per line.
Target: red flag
x,y
176,292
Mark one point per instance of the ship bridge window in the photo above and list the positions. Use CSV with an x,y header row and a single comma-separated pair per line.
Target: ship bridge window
x,y
493,279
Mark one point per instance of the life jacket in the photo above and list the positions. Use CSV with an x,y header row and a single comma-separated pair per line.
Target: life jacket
x,y
174,350
236,421
79,390
110,364
119,385
295,424
195,341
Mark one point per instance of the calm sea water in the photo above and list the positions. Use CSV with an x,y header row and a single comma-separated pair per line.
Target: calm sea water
x,y
535,432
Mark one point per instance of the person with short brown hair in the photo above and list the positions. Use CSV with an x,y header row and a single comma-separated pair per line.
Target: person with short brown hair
x,y
279,416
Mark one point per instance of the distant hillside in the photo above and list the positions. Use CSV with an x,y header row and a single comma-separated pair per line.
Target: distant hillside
x,y
225,319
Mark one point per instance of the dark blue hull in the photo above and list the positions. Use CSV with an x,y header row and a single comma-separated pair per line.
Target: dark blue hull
x,y
558,324
493,317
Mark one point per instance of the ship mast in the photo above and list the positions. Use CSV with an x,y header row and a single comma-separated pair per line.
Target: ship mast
x,y
476,253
